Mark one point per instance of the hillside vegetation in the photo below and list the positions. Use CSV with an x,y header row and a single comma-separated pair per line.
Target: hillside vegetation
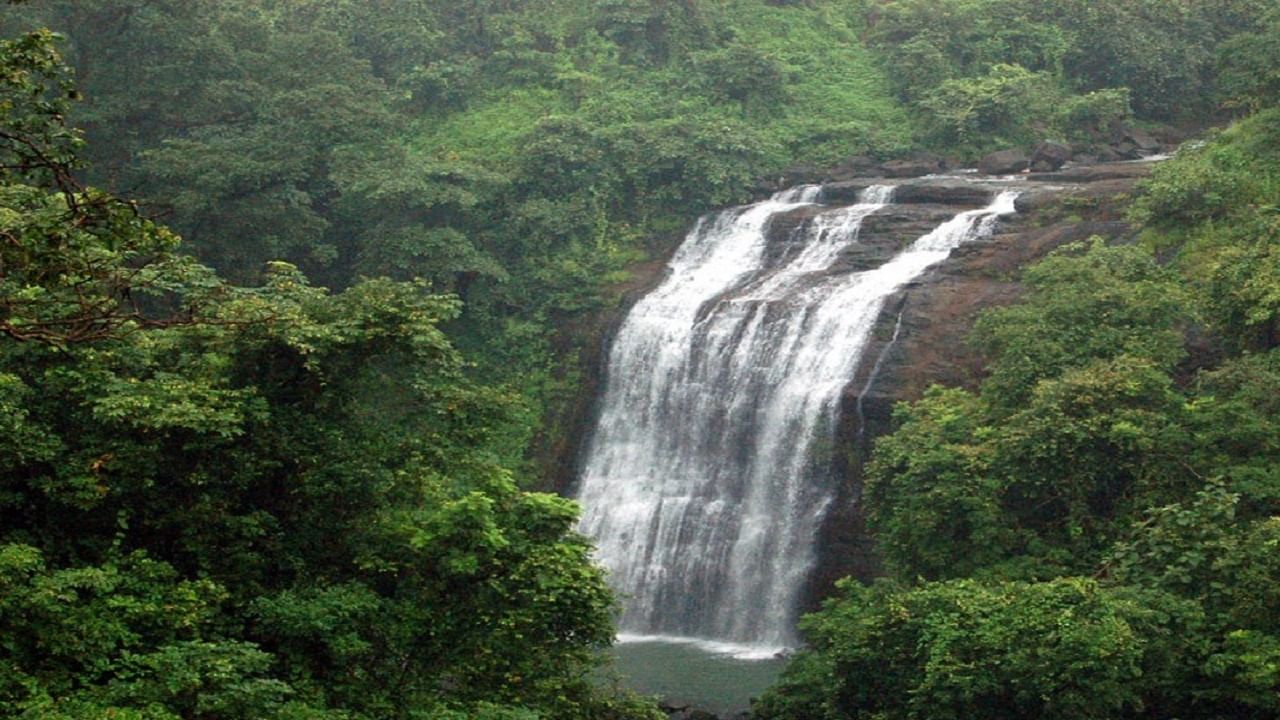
x,y
523,154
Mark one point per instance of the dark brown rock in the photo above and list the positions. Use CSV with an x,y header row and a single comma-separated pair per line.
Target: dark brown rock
x,y
934,317
782,227
1049,156
943,192
911,168
1127,150
1142,140
846,192
1094,173
1108,154
1004,162
885,233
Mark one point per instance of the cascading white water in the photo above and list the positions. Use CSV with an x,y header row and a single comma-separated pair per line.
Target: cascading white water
x,y
703,483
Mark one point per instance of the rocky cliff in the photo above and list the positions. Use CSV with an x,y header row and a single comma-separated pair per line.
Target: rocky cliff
x,y
921,335
921,338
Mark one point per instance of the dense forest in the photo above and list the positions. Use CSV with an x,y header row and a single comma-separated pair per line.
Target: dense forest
x,y
287,467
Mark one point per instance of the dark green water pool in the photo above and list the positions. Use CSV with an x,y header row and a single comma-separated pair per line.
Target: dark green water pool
x,y
718,678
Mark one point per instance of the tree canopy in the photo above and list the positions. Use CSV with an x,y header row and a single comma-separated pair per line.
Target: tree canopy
x,y
252,501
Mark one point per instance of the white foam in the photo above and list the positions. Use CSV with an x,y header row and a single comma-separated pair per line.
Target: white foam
x,y
737,651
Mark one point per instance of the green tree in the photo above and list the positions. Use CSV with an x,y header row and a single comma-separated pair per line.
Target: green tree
x,y
1087,302
271,501
1063,649
1248,70
931,498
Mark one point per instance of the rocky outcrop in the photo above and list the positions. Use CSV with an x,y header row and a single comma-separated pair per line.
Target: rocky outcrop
x,y
1004,162
1086,174
922,334
938,191
912,168
678,711
1050,156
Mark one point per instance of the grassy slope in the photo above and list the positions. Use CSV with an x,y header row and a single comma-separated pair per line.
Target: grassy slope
x,y
838,100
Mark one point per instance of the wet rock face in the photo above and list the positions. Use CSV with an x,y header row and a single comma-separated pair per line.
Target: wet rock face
x,y
934,317
938,191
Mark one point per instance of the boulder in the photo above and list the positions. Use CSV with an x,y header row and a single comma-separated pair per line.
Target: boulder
x,y
852,167
1142,140
1033,200
845,192
1050,156
1109,155
943,192
1004,162
920,165
1127,150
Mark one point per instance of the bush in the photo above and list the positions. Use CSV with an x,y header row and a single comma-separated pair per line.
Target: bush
x,y
1001,107
1061,650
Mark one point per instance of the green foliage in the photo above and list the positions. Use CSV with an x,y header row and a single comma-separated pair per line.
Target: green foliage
x,y
1248,69
1215,205
1235,417
989,73
998,107
654,31
125,635
1087,302
743,74
931,501
1159,50
34,96
1063,649
964,488
256,502
1085,113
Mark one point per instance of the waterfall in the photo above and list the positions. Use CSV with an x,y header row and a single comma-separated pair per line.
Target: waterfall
x,y
703,484
875,375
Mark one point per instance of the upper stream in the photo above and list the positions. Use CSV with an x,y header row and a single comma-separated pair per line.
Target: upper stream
x,y
708,474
